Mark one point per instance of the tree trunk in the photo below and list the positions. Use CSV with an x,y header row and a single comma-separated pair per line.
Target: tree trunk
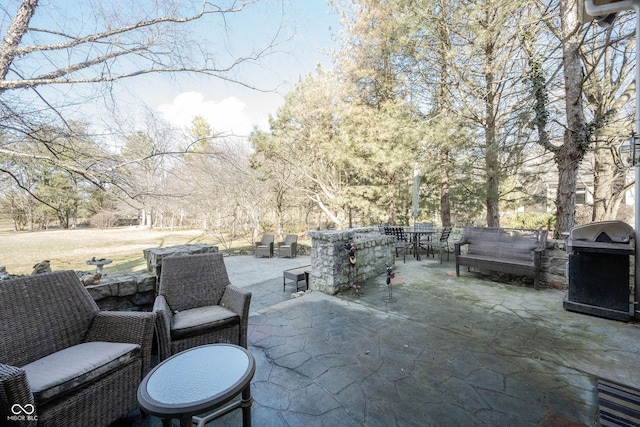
x,y
17,29
603,189
392,204
445,190
492,160
444,101
566,196
576,136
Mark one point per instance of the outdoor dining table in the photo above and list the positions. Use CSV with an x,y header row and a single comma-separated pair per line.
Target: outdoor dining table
x,y
416,237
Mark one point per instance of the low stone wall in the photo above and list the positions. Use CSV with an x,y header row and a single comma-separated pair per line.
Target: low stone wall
x,y
554,261
331,271
154,255
125,292
137,291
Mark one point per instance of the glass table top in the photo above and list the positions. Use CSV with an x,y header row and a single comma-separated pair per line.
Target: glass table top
x,y
198,374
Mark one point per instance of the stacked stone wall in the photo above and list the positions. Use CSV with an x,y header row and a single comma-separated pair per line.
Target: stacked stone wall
x,y
331,271
125,292
137,291
554,261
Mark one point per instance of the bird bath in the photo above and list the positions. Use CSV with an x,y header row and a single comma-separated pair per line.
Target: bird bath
x,y
99,263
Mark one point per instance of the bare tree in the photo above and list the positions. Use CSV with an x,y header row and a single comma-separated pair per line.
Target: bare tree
x,y
609,89
51,53
120,45
576,136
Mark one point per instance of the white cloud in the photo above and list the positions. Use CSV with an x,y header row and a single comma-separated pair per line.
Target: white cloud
x,y
227,116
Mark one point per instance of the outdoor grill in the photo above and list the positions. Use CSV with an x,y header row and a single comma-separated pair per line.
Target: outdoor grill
x,y
598,270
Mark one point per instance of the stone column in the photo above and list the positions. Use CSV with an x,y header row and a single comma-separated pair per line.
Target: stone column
x,y
331,271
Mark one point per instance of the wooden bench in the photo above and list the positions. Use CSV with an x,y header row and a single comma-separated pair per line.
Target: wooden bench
x,y
511,251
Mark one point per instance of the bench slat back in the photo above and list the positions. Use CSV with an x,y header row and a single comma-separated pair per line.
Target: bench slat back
x,y
503,243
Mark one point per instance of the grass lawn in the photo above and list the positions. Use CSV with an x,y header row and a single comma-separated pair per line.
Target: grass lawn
x,y
70,249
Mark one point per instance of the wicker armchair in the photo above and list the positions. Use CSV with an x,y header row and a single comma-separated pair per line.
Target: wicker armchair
x,y
265,246
289,247
197,305
62,360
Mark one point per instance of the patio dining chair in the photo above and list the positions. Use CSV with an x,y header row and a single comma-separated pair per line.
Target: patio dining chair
x,y
402,242
442,242
197,305
425,240
265,246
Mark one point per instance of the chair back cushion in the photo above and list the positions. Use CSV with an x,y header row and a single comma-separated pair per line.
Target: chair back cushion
x,y
42,314
290,238
193,281
267,239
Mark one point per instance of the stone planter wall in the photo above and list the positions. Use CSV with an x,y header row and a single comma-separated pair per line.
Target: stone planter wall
x,y
137,291
154,255
125,292
331,271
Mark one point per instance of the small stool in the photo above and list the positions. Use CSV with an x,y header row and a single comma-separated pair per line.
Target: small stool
x,y
296,274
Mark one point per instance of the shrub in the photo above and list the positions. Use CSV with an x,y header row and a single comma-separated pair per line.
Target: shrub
x,y
104,219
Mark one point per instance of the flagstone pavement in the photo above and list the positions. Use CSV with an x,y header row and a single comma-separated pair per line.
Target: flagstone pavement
x,y
431,350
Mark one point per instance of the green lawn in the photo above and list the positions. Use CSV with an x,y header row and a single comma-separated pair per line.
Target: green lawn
x,y
70,249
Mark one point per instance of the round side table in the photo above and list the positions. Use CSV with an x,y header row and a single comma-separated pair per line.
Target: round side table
x,y
199,380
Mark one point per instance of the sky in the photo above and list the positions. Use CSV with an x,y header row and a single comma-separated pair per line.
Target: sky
x,y
309,29
305,32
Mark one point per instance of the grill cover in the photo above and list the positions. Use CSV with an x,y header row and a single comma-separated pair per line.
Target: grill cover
x,y
603,237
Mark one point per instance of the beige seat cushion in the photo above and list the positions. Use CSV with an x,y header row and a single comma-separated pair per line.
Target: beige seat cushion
x,y
194,321
74,367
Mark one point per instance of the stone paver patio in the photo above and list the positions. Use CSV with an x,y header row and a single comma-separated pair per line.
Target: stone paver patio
x,y
446,351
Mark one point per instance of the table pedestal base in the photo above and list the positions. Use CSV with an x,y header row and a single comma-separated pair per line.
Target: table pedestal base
x,y
245,403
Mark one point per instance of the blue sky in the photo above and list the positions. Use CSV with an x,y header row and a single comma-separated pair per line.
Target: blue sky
x,y
309,28
306,30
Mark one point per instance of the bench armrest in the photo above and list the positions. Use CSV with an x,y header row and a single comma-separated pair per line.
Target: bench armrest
x,y
14,389
463,240
238,300
457,245
125,326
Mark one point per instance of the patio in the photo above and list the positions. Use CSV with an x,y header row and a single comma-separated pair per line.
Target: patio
x,y
446,351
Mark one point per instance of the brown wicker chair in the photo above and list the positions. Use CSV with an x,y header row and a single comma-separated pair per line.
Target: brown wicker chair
x,y
197,305
289,247
76,365
265,246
